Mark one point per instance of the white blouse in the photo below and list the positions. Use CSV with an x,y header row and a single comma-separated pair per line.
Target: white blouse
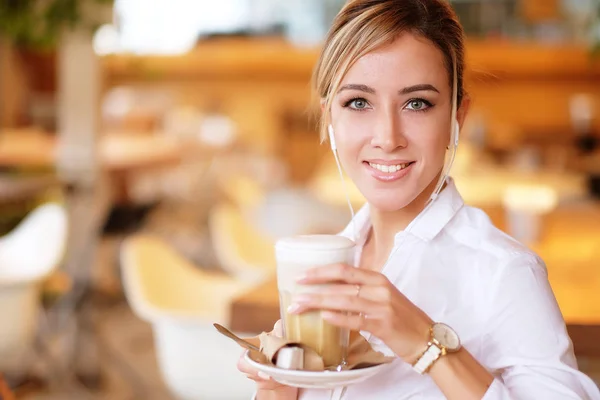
x,y
494,292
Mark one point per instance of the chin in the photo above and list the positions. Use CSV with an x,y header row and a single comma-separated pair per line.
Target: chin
x,y
388,200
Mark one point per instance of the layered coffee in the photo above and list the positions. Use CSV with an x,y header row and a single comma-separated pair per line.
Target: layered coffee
x,y
294,256
308,328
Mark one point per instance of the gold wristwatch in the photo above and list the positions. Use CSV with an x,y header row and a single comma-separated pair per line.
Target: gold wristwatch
x,y
442,340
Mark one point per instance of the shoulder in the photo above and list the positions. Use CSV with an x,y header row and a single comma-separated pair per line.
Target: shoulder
x,y
473,236
511,279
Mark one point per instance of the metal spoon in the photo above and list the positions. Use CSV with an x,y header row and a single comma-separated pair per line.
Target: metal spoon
x,y
238,340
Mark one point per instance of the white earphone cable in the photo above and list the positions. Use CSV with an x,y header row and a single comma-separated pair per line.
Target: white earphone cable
x,y
353,221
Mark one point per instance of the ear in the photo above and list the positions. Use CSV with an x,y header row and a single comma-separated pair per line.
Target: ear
x,y
323,104
463,110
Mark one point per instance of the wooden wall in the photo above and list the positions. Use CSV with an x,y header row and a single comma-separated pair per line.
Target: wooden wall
x,y
523,91
13,87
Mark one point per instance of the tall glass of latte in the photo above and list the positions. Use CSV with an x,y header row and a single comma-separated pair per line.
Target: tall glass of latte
x,y
294,256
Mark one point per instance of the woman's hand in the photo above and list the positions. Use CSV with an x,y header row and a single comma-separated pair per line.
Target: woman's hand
x,y
360,299
267,388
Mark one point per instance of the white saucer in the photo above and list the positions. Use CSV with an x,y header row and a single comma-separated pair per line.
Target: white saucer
x,y
316,380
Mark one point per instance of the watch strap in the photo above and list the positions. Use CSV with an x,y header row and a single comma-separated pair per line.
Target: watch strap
x,y
431,355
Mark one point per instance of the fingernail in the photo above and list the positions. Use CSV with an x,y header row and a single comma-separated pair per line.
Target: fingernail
x,y
264,376
302,277
293,308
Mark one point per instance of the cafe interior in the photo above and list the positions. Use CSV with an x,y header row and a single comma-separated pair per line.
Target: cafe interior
x,y
148,165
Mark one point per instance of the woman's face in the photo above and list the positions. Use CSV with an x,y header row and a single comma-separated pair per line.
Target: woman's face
x,y
391,118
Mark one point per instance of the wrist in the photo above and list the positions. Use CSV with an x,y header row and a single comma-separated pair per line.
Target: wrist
x,y
444,362
442,341
418,349
419,344
460,376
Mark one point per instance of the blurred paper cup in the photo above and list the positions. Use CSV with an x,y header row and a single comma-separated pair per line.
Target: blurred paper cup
x,y
525,207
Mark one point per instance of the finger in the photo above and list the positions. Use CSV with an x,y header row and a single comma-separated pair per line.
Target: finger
x,y
369,292
264,376
263,384
342,273
244,367
266,382
263,380
272,385
318,301
278,329
259,377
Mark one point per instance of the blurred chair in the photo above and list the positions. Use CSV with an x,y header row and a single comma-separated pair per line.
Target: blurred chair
x,y
28,254
243,191
241,249
182,302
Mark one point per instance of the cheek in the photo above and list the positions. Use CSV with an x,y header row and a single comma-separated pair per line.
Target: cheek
x,y
429,138
352,132
430,147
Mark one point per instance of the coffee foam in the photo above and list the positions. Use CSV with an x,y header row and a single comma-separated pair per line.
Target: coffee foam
x,y
314,249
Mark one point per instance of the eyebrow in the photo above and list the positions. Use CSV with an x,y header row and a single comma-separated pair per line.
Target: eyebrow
x,y
362,88
407,90
418,88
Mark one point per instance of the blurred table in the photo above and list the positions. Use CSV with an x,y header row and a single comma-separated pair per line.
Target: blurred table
x,y
570,247
120,154
20,188
26,148
117,151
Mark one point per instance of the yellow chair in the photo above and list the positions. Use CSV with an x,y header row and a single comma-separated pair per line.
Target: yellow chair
x,y
243,191
182,302
240,248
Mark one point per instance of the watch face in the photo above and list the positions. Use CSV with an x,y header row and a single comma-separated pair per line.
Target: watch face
x,y
446,336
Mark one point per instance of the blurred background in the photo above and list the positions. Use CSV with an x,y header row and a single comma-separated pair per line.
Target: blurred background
x,y
151,152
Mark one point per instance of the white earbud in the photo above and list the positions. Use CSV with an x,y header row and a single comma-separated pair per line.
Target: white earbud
x,y
455,134
331,138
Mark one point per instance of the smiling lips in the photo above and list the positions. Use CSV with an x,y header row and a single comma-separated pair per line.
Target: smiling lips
x,y
388,171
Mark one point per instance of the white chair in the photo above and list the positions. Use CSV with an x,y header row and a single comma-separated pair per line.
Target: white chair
x,y
28,254
241,249
182,302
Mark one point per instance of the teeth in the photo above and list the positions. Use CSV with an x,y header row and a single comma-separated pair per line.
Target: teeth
x,y
389,168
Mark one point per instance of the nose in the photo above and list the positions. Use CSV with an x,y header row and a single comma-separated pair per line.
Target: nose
x,y
388,135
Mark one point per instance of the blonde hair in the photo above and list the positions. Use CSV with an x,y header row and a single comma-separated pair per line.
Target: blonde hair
x,y
363,26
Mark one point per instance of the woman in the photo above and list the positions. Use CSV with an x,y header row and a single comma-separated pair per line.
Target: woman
x,y
388,76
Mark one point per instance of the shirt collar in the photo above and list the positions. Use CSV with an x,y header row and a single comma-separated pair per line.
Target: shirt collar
x,y
426,226
434,218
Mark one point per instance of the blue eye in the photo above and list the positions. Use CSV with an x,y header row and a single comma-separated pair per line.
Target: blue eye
x,y
357,104
418,105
